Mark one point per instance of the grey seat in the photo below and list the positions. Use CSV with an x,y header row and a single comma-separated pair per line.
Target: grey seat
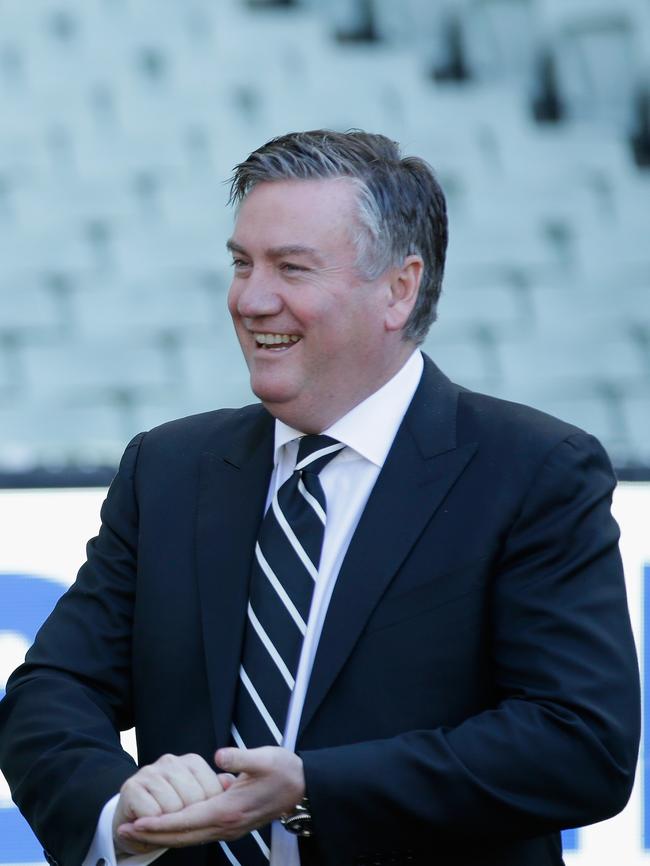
x,y
87,369
46,432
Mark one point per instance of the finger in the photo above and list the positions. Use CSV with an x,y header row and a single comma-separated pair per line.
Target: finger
x,y
163,791
209,782
226,780
150,841
126,843
180,775
136,801
197,816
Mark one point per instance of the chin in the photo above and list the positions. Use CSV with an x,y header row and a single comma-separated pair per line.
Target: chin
x,y
271,393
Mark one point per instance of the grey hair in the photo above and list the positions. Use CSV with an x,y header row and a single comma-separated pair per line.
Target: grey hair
x,y
401,206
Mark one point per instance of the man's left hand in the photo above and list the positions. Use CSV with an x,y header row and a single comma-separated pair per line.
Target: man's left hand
x,y
269,782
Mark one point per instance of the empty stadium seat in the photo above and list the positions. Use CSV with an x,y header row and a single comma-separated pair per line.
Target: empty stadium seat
x,y
28,307
87,369
469,360
7,381
500,37
49,433
571,364
597,52
143,311
465,310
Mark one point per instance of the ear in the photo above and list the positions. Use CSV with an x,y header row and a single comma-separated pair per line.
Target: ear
x,y
404,287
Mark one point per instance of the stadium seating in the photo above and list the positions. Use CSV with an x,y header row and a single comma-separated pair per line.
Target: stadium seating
x,y
122,119
76,435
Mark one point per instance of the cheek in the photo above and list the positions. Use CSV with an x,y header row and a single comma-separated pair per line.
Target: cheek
x,y
360,326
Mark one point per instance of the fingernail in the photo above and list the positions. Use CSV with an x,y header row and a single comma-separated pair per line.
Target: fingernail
x,y
223,758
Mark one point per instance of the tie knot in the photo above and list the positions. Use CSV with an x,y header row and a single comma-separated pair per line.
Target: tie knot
x,y
315,452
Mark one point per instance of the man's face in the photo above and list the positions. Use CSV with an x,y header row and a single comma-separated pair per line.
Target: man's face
x,y
316,337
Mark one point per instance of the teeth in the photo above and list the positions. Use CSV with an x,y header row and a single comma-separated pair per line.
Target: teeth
x,y
275,339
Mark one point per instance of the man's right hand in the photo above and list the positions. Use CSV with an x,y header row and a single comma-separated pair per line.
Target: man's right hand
x,y
167,785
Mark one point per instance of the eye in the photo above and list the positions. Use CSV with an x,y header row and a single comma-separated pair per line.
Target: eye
x,y
238,264
291,267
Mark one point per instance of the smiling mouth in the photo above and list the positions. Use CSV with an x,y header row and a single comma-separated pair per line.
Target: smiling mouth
x,y
276,341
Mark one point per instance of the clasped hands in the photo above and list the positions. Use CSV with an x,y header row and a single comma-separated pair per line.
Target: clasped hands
x,y
181,800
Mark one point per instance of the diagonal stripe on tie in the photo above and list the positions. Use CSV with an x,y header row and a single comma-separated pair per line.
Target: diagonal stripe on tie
x,y
260,706
293,577
280,591
315,504
270,648
250,850
283,576
294,540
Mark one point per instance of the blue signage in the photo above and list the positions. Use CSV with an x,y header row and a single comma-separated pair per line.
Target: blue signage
x,y
26,602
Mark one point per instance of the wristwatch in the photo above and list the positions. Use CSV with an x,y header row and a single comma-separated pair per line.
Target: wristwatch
x,y
298,822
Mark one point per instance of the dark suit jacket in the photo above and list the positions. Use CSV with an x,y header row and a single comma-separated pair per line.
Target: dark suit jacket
x,y
475,688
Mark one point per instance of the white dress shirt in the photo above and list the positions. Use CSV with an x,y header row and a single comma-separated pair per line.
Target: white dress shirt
x,y
368,431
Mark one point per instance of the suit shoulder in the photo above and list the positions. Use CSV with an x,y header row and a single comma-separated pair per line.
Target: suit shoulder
x,y
207,423
196,433
519,442
513,425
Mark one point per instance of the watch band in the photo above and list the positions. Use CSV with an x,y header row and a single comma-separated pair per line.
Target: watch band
x,y
298,822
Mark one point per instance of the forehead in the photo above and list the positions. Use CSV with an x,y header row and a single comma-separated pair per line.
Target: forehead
x,y
298,211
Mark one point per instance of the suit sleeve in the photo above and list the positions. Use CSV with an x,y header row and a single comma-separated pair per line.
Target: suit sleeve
x,y
59,722
559,746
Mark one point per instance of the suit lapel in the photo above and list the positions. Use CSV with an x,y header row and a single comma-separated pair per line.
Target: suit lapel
x,y
421,466
234,480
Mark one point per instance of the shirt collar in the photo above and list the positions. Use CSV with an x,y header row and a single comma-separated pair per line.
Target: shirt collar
x,y
370,427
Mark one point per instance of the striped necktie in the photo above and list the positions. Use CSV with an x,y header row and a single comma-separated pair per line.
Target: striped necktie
x,y
285,570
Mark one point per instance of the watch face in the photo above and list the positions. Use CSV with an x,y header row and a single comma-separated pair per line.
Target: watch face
x,y
299,823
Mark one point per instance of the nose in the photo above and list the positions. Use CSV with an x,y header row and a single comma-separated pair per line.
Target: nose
x,y
254,296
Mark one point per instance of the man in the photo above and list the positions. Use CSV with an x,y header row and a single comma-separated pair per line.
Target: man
x,y
460,682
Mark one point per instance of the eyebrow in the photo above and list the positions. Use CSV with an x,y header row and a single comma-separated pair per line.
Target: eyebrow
x,y
233,247
279,252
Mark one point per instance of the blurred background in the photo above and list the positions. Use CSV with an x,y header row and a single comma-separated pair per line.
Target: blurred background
x,y
120,120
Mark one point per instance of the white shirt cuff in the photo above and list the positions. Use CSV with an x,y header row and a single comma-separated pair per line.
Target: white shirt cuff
x,y
102,850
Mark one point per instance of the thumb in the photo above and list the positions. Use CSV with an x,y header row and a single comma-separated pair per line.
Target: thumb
x,y
235,760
